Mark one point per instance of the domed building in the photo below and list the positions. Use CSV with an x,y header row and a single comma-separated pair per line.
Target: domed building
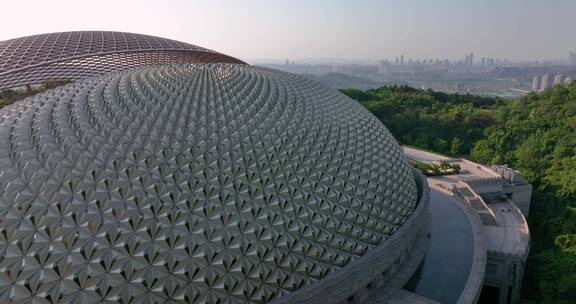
x,y
77,55
180,175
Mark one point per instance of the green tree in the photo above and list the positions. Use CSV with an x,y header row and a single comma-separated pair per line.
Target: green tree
x,y
439,144
482,151
456,146
535,134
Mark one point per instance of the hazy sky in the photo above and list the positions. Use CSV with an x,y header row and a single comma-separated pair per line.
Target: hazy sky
x,y
299,29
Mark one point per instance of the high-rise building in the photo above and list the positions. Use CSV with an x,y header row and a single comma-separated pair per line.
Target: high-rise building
x,y
558,79
382,67
544,83
567,80
535,84
468,61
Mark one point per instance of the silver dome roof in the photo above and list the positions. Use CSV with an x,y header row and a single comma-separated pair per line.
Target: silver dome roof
x,y
82,54
196,183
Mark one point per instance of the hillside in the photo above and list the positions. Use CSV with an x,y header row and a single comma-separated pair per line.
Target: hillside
x,y
536,135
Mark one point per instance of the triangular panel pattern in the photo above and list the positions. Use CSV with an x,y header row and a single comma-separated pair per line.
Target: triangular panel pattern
x,y
202,183
78,55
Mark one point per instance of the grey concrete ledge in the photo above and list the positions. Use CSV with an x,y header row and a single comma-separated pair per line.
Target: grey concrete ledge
x,y
392,292
473,287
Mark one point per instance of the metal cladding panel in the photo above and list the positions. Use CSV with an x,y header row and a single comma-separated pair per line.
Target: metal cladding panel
x,y
78,55
198,183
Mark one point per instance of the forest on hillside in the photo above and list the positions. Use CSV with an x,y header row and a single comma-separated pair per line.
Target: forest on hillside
x,y
535,134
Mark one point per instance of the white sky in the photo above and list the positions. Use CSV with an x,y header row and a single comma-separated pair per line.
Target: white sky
x,y
299,29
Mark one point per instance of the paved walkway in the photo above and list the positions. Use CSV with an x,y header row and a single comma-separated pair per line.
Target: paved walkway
x,y
422,156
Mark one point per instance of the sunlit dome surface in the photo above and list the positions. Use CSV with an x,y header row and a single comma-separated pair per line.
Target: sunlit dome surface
x,y
80,54
196,183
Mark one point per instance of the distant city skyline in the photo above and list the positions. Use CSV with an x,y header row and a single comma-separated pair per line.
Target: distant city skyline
x,y
468,59
518,30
